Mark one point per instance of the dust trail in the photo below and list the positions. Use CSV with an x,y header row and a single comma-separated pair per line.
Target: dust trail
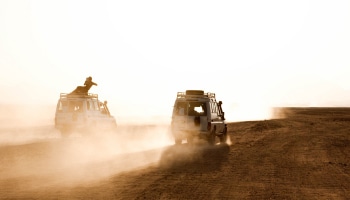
x,y
20,124
34,155
29,134
81,159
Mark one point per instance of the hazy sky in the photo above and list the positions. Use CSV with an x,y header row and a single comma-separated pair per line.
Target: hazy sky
x,y
252,54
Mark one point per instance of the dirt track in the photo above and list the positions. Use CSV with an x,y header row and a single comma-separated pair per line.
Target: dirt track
x,y
303,156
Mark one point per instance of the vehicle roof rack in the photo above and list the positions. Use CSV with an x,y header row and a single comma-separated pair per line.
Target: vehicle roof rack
x,y
195,95
84,95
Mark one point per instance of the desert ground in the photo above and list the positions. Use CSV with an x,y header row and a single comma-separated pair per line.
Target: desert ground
x,y
303,154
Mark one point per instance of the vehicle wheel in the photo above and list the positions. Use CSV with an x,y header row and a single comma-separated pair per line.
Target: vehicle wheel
x,y
211,137
223,137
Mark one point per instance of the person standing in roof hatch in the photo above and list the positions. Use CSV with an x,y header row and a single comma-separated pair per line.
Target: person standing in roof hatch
x,y
84,89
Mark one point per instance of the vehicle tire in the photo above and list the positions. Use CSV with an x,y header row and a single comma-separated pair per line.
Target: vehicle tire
x,y
223,137
212,137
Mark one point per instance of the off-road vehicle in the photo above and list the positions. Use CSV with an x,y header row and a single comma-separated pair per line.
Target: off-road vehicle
x,y
198,115
82,113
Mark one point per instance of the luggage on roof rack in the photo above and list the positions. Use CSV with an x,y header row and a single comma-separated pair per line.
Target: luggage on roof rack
x,y
194,92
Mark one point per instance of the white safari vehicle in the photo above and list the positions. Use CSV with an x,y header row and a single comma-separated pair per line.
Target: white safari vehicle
x,y
82,113
198,115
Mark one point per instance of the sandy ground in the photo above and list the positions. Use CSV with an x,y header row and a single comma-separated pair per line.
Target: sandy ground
x,y
305,155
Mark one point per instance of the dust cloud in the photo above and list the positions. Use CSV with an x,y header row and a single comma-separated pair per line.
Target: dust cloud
x,y
34,155
81,159
20,124
239,113
33,152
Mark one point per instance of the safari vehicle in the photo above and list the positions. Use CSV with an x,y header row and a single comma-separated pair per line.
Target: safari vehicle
x,y
82,113
198,115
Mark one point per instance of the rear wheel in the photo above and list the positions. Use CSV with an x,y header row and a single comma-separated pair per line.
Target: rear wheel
x,y
223,137
211,137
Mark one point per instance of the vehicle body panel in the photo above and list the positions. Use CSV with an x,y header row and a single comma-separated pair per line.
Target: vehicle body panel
x,y
82,113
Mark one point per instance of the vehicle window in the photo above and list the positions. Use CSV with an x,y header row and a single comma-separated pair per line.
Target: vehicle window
x,y
197,109
103,108
89,105
181,108
215,107
96,106
75,106
61,105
